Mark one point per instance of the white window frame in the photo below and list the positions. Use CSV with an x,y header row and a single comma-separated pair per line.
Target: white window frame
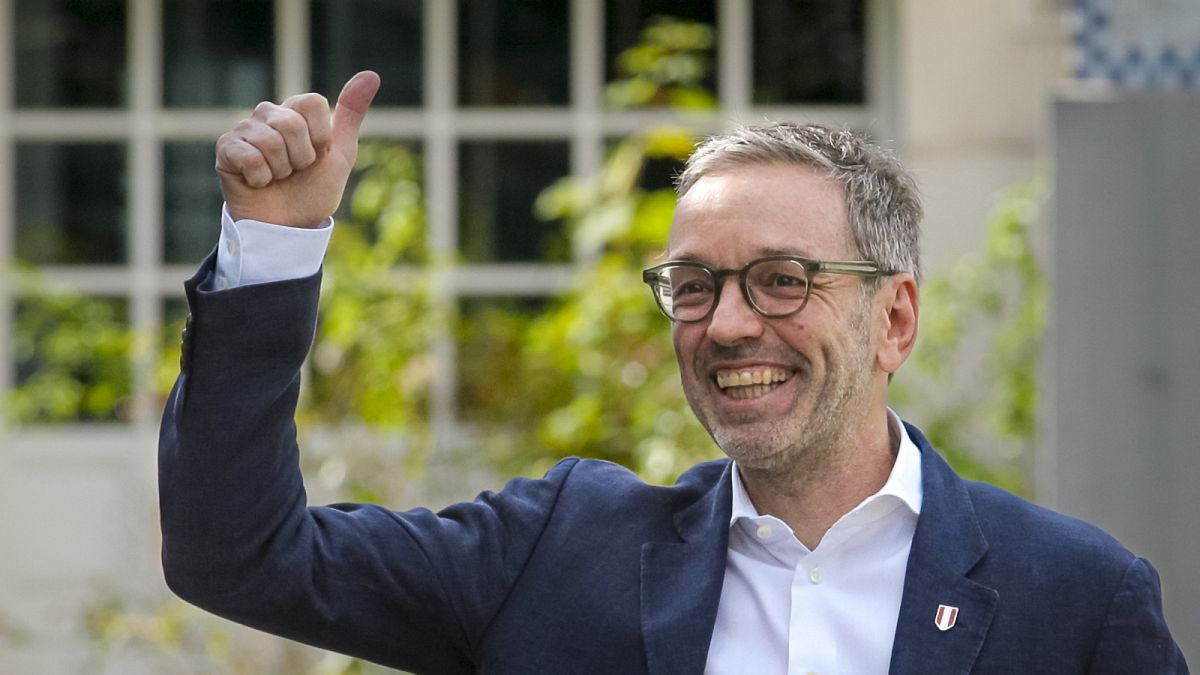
x,y
439,125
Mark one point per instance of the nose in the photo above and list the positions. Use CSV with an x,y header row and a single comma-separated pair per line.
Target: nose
x,y
733,319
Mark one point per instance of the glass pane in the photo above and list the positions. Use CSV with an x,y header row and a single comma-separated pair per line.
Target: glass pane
x,y
498,183
513,53
490,332
70,53
72,359
71,203
191,202
626,20
380,35
809,51
217,53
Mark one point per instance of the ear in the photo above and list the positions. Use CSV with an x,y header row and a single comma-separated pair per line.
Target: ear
x,y
897,306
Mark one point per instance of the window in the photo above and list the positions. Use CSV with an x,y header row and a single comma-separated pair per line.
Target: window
x,y
809,51
112,108
70,54
217,52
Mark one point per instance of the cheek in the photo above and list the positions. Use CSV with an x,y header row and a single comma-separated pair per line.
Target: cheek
x,y
685,337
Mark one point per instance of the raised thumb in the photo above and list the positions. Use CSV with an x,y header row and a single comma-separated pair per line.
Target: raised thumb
x,y
351,108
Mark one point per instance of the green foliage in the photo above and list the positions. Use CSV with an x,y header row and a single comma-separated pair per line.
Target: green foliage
x,y
595,373
666,69
972,381
371,363
72,355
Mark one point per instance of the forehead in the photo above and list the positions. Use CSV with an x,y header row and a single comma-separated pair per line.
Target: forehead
x,y
744,212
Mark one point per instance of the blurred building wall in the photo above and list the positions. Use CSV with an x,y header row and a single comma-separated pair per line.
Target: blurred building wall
x,y
1126,339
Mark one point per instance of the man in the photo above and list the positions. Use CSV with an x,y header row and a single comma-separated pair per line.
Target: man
x,y
835,541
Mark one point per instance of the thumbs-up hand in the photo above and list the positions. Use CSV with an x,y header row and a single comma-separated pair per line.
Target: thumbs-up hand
x,y
288,164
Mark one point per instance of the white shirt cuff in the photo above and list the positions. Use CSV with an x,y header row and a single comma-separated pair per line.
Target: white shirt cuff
x,y
254,252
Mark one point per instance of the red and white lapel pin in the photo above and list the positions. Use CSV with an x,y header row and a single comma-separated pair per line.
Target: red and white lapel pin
x,y
946,617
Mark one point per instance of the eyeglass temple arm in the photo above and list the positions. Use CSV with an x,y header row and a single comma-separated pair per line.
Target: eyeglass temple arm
x,y
857,268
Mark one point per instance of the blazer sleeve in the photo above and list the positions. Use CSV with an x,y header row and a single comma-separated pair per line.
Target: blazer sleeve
x,y
1135,637
413,590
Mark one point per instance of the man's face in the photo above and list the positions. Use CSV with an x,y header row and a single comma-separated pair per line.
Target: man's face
x,y
807,377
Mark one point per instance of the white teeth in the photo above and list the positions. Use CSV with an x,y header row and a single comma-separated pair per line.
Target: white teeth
x,y
751,378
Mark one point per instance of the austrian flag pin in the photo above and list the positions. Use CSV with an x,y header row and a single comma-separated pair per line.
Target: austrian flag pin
x,y
946,617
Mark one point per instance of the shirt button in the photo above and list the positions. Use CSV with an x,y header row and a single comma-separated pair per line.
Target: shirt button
x,y
814,575
231,246
763,532
222,283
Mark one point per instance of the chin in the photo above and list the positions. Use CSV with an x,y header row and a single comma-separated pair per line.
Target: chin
x,y
751,449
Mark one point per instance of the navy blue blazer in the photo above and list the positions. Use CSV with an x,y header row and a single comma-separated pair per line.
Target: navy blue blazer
x,y
587,570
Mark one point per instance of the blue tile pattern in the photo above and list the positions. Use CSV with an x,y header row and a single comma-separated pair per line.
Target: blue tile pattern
x,y
1168,60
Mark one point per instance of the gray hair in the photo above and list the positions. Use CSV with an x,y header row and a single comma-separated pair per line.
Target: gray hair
x,y
881,196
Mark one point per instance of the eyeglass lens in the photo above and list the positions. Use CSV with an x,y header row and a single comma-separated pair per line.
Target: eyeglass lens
x,y
776,287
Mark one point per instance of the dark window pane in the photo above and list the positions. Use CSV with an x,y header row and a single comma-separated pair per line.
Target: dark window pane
x,y
72,359
498,183
513,53
217,52
380,35
191,202
70,53
71,202
809,51
626,20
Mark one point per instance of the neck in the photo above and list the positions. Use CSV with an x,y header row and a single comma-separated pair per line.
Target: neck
x,y
811,494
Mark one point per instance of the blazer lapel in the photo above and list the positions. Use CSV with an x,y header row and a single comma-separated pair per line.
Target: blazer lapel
x,y
681,584
947,544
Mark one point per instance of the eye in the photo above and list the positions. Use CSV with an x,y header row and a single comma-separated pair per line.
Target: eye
x,y
782,279
690,287
777,280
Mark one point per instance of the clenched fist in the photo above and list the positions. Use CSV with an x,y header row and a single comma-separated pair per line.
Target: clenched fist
x,y
287,164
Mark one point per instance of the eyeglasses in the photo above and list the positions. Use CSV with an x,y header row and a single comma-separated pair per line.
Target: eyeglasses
x,y
774,287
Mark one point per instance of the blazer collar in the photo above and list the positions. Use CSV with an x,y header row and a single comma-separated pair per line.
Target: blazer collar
x,y
947,544
681,580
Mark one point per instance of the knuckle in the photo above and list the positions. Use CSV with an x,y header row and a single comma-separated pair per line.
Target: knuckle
x,y
311,103
286,120
268,140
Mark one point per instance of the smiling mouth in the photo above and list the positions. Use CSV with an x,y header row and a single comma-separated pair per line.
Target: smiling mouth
x,y
746,383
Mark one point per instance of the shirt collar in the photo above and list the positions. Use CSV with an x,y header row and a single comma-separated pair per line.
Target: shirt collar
x,y
903,483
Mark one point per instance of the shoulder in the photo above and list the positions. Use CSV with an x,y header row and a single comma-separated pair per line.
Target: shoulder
x,y
611,498
1010,523
1020,542
608,482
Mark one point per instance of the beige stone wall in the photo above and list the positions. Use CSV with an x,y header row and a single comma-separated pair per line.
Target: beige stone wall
x,y
974,86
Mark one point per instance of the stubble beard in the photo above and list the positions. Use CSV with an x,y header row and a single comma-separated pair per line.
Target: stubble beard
x,y
807,441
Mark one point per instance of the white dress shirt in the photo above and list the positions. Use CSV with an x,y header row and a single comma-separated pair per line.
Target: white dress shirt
x,y
832,610
254,252
784,609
